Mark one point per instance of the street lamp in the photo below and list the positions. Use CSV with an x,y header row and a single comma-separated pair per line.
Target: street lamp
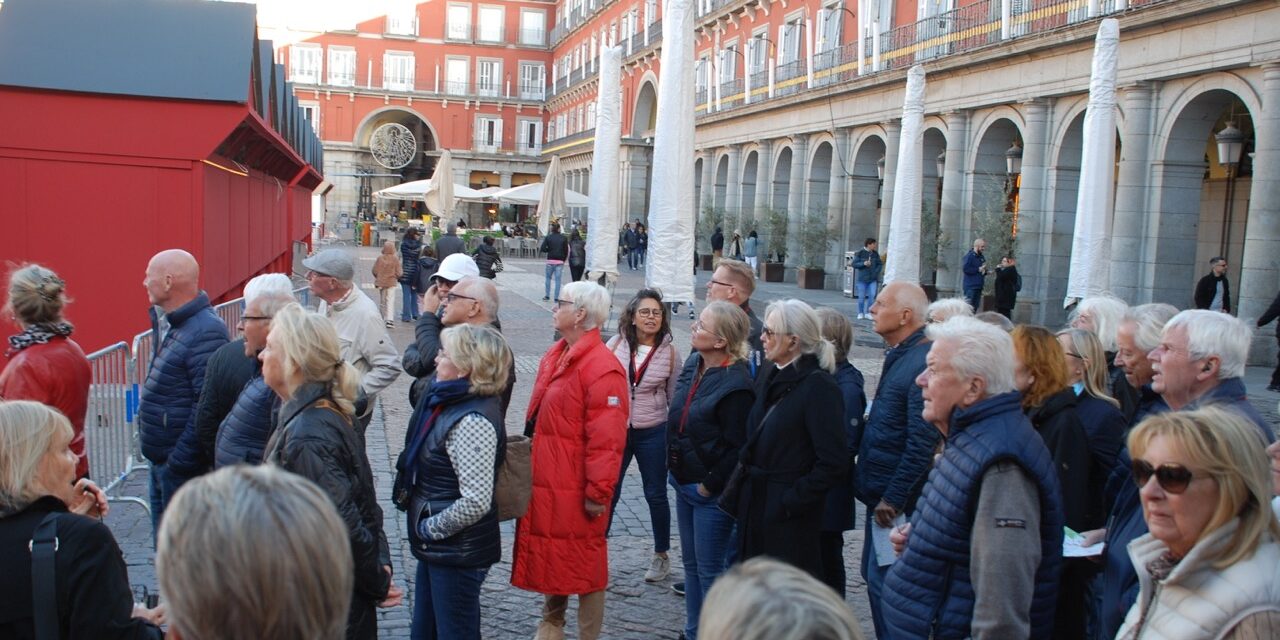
x,y
1230,146
941,164
880,183
1013,159
1013,164
880,168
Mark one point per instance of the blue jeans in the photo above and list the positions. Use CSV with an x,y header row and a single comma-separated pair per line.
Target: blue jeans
x,y
873,574
162,489
706,534
633,257
447,603
974,296
642,251
649,448
866,295
408,310
553,270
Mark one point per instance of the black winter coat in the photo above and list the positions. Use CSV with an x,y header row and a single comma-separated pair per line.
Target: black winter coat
x,y
449,244
1058,423
1106,428
1008,284
322,445
91,580
410,248
243,435
1129,398
228,371
1272,313
427,267
839,514
1207,288
486,256
556,246
795,454
708,439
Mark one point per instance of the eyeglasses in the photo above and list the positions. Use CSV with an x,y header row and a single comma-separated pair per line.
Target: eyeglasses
x,y
1173,478
454,296
445,282
560,303
769,333
698,327
723,284
649,313
244,319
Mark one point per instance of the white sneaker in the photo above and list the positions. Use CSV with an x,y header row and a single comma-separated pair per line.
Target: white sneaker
x,y
862,316
658,568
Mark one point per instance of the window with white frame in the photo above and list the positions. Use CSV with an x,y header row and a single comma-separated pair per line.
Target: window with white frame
x,y
651,11
758,51
562,125
402,20
883,12
489,77
342,66
311,111
456,76
702,77
530,137
789,35
533,27
490,27
304,63
458,22
591,114
729,62
613,31
488,134
397,71
829,22
551,129
533,81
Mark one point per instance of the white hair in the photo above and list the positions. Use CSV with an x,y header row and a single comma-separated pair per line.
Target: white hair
x,y
592,298
267,283
948,308
796,318
484,291
981,351
1148,322
1210,333
1107,312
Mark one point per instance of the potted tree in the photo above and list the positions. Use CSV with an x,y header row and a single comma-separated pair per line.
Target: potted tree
x,y
996,222
814,236
933,242
776,222
711,218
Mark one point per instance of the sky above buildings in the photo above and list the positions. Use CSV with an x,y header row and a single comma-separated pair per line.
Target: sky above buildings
x,y
287,21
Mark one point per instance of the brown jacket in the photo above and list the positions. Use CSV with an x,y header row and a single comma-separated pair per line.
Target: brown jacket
x,y
386,270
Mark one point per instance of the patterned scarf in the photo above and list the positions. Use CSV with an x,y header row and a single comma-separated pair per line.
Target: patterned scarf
x,y
37,334
1161,567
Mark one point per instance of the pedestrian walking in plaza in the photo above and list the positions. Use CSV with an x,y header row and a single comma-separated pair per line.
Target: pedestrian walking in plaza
x,y
449,243
643,348
706,428
453,448
427,267
487,259
1102,315
317,439
556,246
578,420
186,332
717,247
241,435
795,452
577,256
45,364
410,249
867,266
838,515
975,273
981,556
630,246
387,272
735,246
254,552
642,241
1270,314
896,449
1008,284
764,599
366,344
51,524
1213,291
751,252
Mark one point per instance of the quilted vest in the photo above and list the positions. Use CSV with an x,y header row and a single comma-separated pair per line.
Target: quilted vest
x,y
479,545
243,434
928,593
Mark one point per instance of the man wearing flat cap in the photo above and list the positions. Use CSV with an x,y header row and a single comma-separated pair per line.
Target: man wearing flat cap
x,y
366,345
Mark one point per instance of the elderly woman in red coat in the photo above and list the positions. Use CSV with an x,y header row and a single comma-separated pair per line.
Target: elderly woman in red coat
x,y
578,417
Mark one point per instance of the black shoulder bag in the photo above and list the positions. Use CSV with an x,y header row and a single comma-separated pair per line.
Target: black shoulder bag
x,y
44,591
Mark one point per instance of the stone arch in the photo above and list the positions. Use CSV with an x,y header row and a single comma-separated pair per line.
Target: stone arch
x,y
697,185
933,143
749,180
865,186
645,113
991,189
422,165
781,177
721,182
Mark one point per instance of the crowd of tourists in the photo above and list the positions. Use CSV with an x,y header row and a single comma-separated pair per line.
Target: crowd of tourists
x,y
1108,479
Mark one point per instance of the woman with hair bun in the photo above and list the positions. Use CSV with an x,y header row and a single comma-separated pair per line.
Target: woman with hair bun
x,y
46,365
303,365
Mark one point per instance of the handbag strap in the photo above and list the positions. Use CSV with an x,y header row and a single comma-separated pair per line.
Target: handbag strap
x,y
44,595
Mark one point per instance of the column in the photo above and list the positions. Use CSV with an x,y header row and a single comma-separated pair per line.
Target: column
x,y
1132,191
732,191
1262,230
504,179
1034,228
953,203
796,195
764,182
893,135
707,196
836,197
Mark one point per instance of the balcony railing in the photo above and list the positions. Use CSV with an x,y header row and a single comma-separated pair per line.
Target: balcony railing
x,y
527,149
457,32
533,37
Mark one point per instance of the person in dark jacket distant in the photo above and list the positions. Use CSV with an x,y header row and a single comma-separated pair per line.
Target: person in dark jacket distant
x,y
316,439
1213,291
706,427
410,248
642,242
423,279
630,243
577,256
186,333
453,447
90,581
867,265
1040,373
1008,284
896,447
975,273
47,366
557,249
795,453
449,243
982,553
1272,313
242,434
717,247
839,514
486,256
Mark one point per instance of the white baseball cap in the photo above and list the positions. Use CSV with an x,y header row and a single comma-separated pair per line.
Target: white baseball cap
x,y
457,266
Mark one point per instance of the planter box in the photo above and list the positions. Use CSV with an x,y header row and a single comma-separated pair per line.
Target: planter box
x,y
773,271
810,278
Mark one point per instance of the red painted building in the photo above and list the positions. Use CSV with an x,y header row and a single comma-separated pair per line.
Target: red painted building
x,y
111,150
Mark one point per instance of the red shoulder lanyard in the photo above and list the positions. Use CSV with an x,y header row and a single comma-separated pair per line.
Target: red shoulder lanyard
x,y
638,374
693,389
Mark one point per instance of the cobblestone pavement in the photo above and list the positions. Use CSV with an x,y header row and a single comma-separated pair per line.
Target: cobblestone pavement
x,y
634,609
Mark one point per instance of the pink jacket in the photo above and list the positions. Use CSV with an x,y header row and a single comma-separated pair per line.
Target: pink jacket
x,y
652,397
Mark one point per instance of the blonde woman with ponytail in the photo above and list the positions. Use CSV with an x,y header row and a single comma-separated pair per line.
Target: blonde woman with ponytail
x,y
315,439
795,453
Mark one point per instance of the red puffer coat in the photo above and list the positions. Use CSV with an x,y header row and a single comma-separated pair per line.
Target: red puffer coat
x,y
581,406
55,373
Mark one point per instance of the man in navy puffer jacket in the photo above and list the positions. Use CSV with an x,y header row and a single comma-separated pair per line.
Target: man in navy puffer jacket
x,y
243,434
187,332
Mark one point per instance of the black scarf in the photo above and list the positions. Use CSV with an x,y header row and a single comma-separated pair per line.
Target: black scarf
x,y
38,334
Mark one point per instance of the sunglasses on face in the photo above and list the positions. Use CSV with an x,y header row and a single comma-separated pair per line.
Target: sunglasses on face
x,y
1172,478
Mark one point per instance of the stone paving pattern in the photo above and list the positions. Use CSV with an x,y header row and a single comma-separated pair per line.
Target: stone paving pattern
x,y
634,609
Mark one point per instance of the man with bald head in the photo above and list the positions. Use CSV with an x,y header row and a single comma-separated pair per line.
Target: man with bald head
x,y
896,446
187,333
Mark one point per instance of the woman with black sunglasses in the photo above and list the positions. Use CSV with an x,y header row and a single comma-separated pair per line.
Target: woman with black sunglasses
x,y
1207,568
